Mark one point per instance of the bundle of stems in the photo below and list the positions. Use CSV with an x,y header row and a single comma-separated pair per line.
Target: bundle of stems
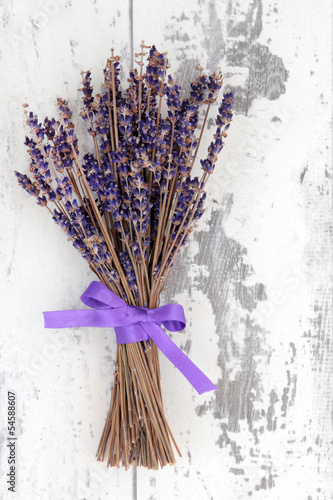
x,y
128,207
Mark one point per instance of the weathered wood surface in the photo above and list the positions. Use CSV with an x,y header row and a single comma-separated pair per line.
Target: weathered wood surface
x,y
255,280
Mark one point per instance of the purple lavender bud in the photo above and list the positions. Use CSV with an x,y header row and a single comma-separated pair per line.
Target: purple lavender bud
x,y
42,201
24,181
134,218
52,196
207,166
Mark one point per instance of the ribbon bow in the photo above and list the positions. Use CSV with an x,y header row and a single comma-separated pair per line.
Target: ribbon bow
x,y
132,324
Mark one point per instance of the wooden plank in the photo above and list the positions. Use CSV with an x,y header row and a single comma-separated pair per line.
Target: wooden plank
x,y
256,278
62,378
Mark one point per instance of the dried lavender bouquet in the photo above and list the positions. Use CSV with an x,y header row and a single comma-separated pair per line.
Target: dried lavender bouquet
x,y
128,207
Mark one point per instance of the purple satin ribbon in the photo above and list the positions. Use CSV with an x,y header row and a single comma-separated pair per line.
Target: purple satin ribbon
x,y
132,324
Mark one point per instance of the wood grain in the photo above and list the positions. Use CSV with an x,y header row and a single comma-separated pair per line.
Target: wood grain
x,y
255,436
62,379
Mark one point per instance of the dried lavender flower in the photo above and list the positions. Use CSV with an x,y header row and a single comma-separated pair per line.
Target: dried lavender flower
x,y
129,205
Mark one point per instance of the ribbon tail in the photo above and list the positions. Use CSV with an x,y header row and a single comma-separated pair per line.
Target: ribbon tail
x,y
105,318
194,375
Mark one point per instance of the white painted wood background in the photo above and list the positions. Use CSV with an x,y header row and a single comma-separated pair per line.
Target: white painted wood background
x,y
255,280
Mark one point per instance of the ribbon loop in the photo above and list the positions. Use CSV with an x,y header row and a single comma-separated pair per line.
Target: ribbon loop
x,y
132,324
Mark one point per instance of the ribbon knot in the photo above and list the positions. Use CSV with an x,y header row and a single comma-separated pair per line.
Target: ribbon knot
x,y
132,324
137,314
